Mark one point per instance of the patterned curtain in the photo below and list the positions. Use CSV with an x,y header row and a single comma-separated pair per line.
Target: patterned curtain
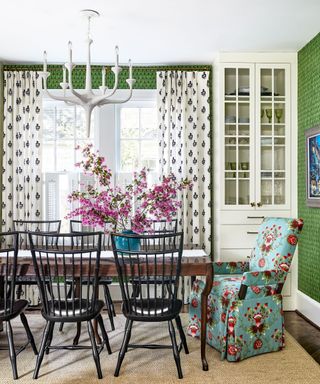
x,y
21,179
185,147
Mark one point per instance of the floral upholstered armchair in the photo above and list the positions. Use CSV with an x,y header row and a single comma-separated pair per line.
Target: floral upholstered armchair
x,y
245,316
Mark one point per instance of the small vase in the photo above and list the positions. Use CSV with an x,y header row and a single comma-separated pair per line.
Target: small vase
x,y
127,244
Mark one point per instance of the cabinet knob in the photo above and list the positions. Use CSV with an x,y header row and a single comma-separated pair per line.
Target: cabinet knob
x,y
259,204
253,204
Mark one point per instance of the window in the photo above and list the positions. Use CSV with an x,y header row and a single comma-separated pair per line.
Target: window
x,y
138,139
63,130
125,134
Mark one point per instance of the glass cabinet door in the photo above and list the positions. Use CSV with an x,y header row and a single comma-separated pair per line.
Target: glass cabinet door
x,y
238,120
272,118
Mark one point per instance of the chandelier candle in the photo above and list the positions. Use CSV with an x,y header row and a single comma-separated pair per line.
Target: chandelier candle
x,y
88,100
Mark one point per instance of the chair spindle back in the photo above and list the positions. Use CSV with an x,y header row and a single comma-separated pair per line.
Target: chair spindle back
x,y
61,259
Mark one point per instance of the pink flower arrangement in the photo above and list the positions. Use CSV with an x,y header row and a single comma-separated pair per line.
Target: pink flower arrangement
x,y
114,205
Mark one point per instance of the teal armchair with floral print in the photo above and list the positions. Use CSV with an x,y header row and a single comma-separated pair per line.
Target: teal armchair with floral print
x,y
245,315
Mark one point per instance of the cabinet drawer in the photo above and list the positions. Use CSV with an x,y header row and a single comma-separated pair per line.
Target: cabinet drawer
x,y
249,217
238,236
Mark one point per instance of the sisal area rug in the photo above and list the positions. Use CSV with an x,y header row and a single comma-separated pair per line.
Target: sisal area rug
x,y
292,365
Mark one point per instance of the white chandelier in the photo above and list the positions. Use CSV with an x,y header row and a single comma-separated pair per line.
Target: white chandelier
x,y
88,99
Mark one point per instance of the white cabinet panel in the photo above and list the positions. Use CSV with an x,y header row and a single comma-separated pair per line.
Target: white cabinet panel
x,y
239,254
238,236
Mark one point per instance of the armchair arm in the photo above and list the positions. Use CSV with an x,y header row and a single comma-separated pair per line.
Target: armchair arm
x,y
270,277
230,267
262,278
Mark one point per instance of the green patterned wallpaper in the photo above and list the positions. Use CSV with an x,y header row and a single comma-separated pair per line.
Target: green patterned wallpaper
x,y
145,76
308,116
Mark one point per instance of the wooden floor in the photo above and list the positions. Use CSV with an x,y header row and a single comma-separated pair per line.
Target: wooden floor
x,y
306,334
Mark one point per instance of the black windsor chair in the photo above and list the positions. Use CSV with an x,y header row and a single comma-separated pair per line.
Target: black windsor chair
x,y
10,307
76,226
159,255
158,227
23,227
59,260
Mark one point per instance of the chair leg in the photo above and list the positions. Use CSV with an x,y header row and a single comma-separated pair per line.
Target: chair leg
x,y
95,353
124,346
69,294
50,337
46,334
110,301
78,334
182,335
129,337
12,352
24,321
175,349
109,305
61,327
104,334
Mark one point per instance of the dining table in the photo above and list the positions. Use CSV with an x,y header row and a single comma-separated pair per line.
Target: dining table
x,y
194,262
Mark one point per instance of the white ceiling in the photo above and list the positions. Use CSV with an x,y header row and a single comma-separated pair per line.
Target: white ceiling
x,y
154,32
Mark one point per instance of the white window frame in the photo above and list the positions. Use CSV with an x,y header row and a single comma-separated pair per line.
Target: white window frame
x,y
108,141
106,127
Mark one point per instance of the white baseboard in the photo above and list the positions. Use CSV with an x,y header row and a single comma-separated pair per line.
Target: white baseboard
x,y
308,307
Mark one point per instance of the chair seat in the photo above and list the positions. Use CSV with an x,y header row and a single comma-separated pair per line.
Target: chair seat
x,y
17,308
157,310
73,310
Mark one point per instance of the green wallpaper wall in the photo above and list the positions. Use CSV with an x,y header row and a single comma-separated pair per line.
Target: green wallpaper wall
x,y
145,76
308,116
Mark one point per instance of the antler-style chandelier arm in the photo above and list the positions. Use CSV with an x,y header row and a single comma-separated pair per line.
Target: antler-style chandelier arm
x,y
70,68
130,82
116,70
45,75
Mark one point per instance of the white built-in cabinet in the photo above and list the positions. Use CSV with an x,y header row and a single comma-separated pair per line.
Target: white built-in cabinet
x,y
255,149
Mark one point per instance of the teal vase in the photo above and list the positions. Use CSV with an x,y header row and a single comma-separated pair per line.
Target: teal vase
x,y
127,244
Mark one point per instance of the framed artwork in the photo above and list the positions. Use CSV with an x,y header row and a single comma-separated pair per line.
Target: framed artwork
x,y
313,166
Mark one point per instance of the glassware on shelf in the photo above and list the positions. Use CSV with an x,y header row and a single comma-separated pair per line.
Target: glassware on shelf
x,y
244,165
278,113
261,113
230,119
269,114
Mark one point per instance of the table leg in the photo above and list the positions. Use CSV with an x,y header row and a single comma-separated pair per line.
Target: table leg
x,y
204,309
